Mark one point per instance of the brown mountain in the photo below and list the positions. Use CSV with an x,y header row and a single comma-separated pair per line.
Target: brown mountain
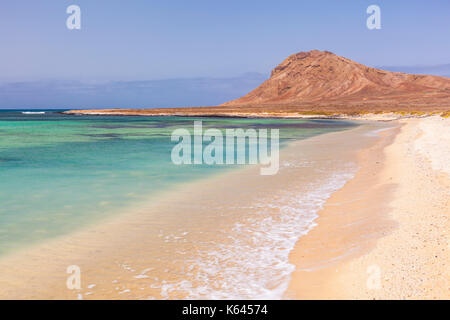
x,y
321,79
320,82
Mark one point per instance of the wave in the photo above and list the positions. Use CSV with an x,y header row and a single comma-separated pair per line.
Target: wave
x,y
255,263
33,112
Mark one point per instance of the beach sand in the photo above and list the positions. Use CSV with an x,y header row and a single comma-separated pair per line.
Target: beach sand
x,y
384,235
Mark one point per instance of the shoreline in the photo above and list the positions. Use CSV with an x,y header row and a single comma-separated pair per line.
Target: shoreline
x,y
395,235
209,112
116,246
343,226
324,269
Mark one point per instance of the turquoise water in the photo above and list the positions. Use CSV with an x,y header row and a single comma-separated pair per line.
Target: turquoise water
x,y
59,173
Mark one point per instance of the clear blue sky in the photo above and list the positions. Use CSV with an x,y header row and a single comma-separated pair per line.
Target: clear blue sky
x,y
144,39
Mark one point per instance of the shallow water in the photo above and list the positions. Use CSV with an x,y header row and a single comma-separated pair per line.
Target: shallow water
x,y
60,173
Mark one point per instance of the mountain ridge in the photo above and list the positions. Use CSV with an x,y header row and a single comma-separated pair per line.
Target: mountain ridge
x,y
321,76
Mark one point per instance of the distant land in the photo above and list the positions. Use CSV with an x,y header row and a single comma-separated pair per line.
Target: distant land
x,y
65,94
442,70
162,93
322,82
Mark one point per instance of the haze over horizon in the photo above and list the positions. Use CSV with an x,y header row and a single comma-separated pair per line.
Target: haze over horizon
x,y
152,54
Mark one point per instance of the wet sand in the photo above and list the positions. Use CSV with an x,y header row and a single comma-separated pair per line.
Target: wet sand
x,y
385,234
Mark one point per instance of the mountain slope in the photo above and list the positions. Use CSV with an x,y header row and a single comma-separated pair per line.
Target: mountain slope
x,y
321,77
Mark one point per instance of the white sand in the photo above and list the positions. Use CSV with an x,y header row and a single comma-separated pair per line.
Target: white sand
x,y
434,142
411,259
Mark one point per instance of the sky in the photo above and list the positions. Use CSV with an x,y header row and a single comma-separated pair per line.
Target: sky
x,y
142,41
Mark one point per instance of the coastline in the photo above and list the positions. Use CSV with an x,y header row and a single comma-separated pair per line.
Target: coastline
x,y
331,257
222,112
393,220
120,257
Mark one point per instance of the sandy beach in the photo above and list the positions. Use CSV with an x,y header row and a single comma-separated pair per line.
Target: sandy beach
x,y
381,232
385,234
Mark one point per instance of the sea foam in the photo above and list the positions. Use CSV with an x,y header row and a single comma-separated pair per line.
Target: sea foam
x,y
255,264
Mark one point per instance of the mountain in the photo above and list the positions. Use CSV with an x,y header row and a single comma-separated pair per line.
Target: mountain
x,y
316,79
320,82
